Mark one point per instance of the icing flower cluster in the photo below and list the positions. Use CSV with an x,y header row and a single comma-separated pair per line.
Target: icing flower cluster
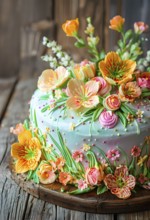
x,y
107,83
106,173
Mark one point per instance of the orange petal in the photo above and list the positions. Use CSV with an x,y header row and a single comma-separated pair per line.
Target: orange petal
x,y
131,181
25,137
122,193
21,166
17,150
34,142
76,87
110,181
74,103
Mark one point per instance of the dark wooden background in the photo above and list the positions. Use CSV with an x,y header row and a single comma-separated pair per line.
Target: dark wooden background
x,y
23,23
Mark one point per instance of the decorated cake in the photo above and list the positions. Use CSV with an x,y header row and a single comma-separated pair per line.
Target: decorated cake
x,y
89,122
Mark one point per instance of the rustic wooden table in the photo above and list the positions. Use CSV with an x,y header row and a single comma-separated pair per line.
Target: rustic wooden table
x,y
16,204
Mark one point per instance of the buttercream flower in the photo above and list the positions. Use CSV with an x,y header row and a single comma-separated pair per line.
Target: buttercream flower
x,y
108,119
129,92
86,147
143,80
70,27
113,154
64,178
121,183
116,23
46,174
104,86
116,71
60,162
27,152
51,79
85,70
140,27
78,156
135,151
112,102
82,184
142,179
18,129
142,160
94,176
82,95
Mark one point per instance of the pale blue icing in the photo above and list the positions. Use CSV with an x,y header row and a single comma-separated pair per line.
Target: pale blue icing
x,y
95,136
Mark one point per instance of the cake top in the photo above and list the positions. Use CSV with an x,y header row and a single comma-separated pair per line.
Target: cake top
x,y
105,86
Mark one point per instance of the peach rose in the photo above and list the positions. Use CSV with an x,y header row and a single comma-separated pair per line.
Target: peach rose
x,y
46,174
94,175
112,102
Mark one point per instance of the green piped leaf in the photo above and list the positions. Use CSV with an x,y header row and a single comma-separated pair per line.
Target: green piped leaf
x,y
101,189
122,118
26,124
35,119
92,159
79,191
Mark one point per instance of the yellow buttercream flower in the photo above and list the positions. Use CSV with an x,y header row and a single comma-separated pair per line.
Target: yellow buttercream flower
x,y
141,160
27,152
115,70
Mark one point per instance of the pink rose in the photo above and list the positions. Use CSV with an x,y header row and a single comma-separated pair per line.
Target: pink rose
x,y
94,176
143,80
112,102
104,87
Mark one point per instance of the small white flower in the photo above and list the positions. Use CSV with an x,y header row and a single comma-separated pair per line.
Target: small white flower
x,y
59,54
44,41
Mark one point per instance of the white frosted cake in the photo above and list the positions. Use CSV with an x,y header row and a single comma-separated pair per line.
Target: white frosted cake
x,y
89,123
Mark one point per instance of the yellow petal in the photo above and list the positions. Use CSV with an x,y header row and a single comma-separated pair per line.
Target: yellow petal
x,y
25,137
91,102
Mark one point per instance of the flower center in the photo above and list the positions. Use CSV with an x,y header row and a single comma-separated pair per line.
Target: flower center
x,y
30,154
120,182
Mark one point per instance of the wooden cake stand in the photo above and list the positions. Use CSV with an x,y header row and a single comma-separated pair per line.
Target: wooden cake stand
x,y
89,202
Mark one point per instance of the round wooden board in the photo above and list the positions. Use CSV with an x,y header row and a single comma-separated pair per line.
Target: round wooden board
x,y
89,202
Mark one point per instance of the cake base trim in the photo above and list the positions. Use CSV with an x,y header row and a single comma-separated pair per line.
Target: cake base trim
x,y
89,202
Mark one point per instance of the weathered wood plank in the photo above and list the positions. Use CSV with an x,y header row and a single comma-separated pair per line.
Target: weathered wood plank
x,y
9,38
138,216
90,216
6,89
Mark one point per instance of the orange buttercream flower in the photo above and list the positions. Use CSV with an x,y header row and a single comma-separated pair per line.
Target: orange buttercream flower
x,y
116,23
121,183
27,152
70,27
65,178
116,71
51,79
46,174
140,27
82,95
129,91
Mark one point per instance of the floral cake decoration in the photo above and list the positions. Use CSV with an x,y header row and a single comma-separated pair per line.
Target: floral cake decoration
x,y
100,88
